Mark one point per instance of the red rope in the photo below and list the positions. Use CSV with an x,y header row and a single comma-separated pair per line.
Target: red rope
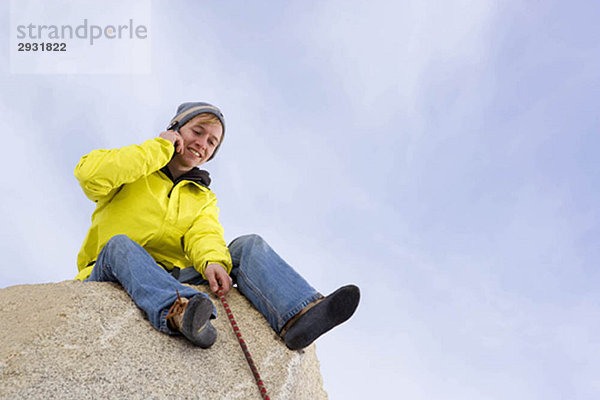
x,y
238,334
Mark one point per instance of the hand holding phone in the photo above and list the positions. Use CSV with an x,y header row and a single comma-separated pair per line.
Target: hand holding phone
x,y
175,138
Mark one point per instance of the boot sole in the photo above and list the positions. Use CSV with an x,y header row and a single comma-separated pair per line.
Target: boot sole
x,y
196,326
329,313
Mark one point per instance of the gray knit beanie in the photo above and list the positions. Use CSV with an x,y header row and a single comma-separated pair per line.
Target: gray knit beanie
x,y
187,111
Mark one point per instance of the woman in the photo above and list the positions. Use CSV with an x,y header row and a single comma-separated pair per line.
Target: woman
x,y
156,225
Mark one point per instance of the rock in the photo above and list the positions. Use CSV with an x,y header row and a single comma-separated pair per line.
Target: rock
x,y
76,340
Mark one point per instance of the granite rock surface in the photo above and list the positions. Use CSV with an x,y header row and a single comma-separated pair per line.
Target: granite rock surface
x,y
88,340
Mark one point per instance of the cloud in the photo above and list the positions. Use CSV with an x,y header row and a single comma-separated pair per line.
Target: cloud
x,y
440,156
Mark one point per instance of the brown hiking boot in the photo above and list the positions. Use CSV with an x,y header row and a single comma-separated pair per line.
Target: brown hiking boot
x,y
191,318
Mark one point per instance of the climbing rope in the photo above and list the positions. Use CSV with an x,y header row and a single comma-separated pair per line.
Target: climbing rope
x,y
238,334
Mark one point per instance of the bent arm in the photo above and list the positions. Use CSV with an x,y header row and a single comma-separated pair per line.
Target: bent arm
x,y
204,243
102,172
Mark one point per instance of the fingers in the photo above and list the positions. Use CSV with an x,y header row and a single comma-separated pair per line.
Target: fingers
x,y
178,143
225,282
212,280
213,284
218,278
175,138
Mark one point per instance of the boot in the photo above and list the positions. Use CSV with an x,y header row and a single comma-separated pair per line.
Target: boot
x,y
191,318
320,316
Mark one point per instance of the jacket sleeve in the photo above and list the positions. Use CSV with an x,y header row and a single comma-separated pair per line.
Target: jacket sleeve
x,y
102,172
204,242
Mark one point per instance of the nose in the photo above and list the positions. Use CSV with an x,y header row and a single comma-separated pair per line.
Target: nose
x,y
202,141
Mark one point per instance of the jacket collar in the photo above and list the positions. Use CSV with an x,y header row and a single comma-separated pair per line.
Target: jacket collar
x,y
196,175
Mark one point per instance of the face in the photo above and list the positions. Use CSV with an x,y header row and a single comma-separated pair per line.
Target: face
x,y
200,139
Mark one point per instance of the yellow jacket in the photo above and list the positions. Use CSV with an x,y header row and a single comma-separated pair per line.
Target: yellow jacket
x,y
178,225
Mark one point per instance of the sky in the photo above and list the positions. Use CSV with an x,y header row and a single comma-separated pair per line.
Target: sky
x,y
443,156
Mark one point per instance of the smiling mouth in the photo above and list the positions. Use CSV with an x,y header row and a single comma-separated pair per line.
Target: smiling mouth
x,y
194,152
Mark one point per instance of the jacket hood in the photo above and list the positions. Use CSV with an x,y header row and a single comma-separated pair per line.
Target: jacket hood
x,y
197,175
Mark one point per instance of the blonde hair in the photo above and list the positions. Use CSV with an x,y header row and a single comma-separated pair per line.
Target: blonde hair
x,y
206,118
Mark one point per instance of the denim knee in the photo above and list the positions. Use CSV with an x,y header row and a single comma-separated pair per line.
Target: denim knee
x,y
247,240
118,240
119,243
243,247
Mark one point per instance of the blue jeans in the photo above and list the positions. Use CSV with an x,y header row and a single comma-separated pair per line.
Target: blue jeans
x,y
267,281
271,284
151,287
